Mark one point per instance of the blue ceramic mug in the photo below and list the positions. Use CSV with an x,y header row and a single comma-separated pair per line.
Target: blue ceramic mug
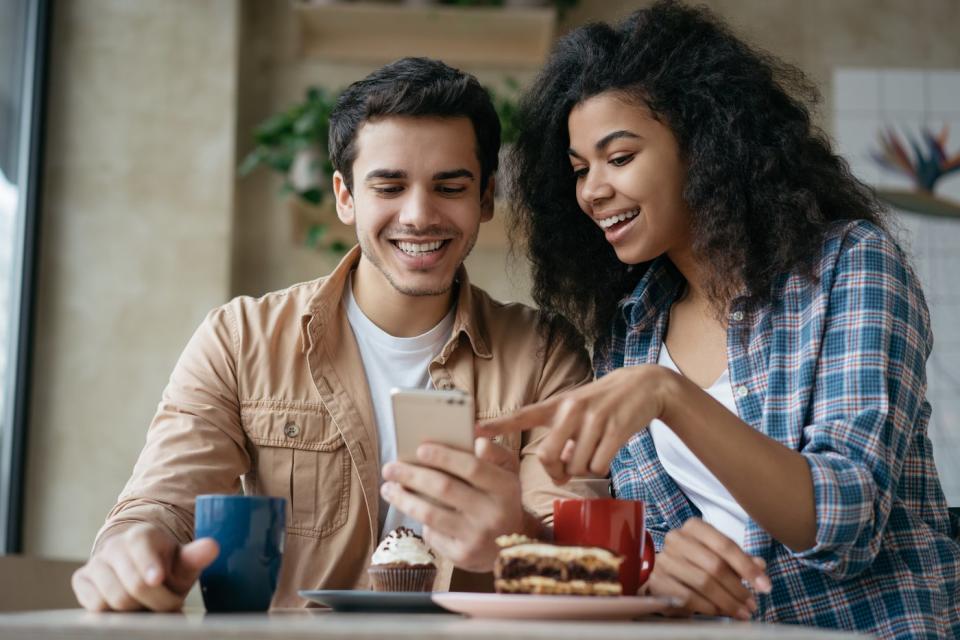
x,y
250,531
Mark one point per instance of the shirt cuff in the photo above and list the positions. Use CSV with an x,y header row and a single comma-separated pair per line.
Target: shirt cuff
x,y
844,499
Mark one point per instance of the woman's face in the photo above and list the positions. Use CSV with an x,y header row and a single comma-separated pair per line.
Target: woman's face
x,y
629,177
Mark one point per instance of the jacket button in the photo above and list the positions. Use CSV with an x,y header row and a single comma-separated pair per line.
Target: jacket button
x,y
291,430
742,391
737,316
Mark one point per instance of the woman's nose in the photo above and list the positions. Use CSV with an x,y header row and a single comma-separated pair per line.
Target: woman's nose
x,y
595,187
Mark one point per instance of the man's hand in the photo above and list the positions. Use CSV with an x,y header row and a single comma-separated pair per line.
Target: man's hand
x,y
142,568
705,571
478,496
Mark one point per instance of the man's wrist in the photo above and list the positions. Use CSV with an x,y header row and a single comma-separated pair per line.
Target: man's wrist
x,y
110,533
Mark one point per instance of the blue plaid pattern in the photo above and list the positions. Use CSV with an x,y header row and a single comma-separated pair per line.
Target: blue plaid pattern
x,y
835,369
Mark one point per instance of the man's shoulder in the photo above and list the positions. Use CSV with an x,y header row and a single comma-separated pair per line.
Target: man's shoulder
x,y
510,324
300,295
498,316
271,310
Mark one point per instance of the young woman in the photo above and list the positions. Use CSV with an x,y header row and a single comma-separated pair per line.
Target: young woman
x,y
760,340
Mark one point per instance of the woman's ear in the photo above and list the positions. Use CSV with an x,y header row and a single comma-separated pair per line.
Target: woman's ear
x,y
345,208
487,199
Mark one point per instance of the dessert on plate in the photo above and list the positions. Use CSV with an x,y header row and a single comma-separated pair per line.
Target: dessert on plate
x,y
525,565
402,562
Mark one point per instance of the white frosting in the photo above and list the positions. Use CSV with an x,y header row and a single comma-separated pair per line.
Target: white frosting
x,y
403,546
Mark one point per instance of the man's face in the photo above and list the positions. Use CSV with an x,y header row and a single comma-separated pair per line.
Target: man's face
x,y
416,199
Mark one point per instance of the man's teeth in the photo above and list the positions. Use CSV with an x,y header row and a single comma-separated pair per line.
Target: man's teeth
x,y
606,223
415,248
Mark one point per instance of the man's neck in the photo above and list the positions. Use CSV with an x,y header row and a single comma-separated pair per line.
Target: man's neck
x,y
399,314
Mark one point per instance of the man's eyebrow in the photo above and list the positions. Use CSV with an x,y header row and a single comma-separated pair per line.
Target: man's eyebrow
x,y
607,139
455,173
386,174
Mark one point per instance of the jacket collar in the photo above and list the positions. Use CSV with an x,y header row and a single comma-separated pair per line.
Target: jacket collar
x,y
655,292
324,303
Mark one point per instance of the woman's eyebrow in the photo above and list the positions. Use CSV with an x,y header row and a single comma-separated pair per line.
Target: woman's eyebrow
x,y
606,140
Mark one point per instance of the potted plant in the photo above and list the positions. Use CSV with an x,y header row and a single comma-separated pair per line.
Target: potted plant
x,y
293,143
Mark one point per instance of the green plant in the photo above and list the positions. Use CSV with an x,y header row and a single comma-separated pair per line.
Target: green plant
x,y
301,128
507,110
295,136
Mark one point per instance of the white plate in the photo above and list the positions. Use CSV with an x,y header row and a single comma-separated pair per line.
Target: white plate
x,y
536,607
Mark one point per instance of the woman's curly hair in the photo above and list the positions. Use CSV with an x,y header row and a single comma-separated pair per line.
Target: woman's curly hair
x,y
762,183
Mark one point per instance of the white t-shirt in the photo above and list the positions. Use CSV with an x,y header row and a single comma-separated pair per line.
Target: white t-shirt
x,y
695,480
393,362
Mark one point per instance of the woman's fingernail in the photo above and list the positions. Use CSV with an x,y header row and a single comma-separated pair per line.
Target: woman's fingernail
x,y
152,575
743,614
752,605
764,585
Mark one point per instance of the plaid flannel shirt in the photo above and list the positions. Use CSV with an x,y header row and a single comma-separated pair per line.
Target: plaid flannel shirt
x,y
833,368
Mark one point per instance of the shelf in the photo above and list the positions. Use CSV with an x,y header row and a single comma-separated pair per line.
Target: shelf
x,y
377,33
920,202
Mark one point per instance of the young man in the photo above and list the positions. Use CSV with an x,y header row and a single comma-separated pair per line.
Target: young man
x,y
288,394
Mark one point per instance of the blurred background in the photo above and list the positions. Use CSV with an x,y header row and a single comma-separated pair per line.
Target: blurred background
x,y
124,217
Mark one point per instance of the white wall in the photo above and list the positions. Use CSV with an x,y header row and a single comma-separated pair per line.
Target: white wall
x,y
135,227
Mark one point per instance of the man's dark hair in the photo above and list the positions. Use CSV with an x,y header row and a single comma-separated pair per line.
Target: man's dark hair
x,y
413,87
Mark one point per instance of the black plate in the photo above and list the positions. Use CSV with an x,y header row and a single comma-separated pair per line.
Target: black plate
x,y
375,601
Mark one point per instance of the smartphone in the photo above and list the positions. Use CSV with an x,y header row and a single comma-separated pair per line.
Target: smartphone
x,y
431,415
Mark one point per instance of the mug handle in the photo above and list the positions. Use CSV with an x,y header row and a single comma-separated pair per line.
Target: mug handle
x,y
649,557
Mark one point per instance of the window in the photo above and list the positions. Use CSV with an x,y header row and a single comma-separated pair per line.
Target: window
x,y
22,54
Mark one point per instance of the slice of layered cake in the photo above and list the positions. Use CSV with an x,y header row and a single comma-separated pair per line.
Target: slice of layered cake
x,y
525,565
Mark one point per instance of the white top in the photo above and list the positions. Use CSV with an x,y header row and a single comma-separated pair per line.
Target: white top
x,y
391,362
695,480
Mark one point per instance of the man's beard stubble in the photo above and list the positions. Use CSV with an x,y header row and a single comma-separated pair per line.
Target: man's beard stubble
x,y
374,259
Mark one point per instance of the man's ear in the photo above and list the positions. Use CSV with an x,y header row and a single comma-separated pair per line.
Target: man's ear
x,y
487,199
345,208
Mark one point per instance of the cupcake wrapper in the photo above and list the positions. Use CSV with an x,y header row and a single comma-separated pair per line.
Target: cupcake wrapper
x,y
418,578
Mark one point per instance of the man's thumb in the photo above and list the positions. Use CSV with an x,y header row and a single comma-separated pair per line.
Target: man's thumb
x,y
193,558
491,452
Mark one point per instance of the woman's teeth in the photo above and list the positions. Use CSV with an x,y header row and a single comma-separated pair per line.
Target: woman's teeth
x,y
606,223
416,249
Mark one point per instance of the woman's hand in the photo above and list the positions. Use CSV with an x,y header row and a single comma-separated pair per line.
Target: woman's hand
x,y
705,571
589,424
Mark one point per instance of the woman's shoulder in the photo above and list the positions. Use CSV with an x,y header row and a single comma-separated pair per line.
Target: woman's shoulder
x,y
860,263
844,234
861,244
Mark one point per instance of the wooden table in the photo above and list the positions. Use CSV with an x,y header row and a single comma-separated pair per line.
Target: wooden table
x,y
321,624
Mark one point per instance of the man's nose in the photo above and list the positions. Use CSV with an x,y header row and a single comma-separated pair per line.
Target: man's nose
x,y
418,210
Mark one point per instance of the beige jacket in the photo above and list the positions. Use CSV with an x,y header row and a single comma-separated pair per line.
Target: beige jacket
x,y
270,396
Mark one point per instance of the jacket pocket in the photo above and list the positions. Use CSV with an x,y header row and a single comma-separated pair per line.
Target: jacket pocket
x,y
298,454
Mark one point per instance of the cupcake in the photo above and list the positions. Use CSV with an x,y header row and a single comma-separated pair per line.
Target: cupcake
x,y
402,562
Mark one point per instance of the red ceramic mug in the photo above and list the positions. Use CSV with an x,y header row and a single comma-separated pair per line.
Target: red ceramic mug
x,y
613,524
